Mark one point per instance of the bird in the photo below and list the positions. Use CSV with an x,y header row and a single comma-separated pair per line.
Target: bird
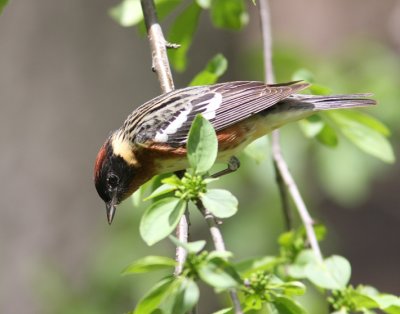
x,y
153,138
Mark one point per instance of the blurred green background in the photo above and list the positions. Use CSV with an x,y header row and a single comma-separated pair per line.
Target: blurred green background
x,y
69,75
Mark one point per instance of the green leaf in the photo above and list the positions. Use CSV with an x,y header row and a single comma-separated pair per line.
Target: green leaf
x,y
219,254
362,301
3,3
219,274
265,263
334,273
317,89
367,120
137,196
215,68
293,288
129,12
182,297
221,203
328,136
190,247
160,219
187,297
384,301
363,135
320,231
149,263
303,75
394,309
172,180
224,311
298,269
342,311
287,238
387,300
258,149
168,303
314,126
230,14
204,4
285,305
152,299
181,32
202,147
156,182
368,290
255,303
161,190
311,126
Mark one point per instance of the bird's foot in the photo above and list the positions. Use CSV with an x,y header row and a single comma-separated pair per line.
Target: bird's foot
x,y
233,165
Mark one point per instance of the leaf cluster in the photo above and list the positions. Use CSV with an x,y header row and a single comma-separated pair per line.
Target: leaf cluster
x,y
270,281
161,218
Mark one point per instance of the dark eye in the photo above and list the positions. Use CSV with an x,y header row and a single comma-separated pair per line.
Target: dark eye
x,y
112,180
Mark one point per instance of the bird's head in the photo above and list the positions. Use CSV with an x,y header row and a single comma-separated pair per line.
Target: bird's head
x,y
114,172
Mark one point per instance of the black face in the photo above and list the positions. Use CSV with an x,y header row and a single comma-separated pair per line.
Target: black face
x,y
112,181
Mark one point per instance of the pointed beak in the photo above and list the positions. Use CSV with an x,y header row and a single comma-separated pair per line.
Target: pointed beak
x,y
110,209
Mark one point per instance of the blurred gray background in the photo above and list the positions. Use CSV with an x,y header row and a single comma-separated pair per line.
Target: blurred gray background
x,y
69,75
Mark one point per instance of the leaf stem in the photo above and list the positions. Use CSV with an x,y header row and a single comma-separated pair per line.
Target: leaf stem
x,y
219,245
160,65
285,180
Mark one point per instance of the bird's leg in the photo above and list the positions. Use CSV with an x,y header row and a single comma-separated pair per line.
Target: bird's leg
x,y
233,165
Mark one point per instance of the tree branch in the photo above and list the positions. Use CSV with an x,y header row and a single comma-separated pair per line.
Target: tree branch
x,y
290,184
270,79
160,66
284,177
182,233
219,245
265,20
287,213
160,63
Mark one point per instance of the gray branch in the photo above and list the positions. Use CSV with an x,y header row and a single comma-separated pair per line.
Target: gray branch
x,y
160,66
160,63
182,233
284,178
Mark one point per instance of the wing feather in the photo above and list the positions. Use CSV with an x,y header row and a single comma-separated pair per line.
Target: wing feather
x,y
223,104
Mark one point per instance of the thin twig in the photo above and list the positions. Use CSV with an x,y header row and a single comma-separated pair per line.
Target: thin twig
x,y
160,65
287,213
270,79
295,194
285,179
157,41
219,245
182,233
265,20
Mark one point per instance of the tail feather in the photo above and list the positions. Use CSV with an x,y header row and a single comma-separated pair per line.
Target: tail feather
x,y
337,101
